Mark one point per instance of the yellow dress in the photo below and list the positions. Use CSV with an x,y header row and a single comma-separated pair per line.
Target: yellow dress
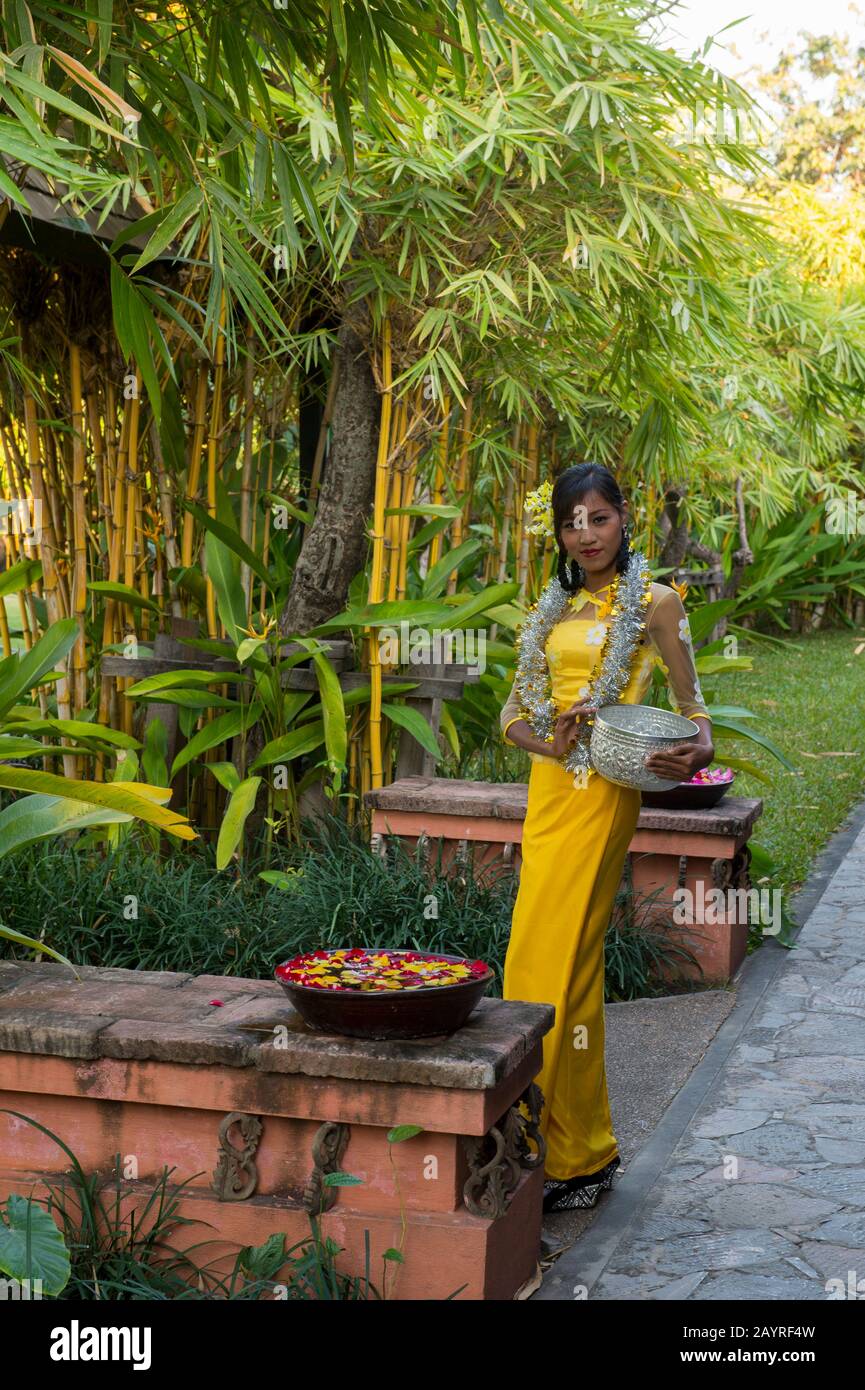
x,y
575,839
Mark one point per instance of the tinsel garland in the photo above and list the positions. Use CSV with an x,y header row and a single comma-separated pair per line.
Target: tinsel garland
x,y
632,592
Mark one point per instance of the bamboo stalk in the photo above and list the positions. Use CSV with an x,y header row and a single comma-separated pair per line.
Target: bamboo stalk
x,y
507,518
530,483
213,452
412,451
439,479
193,475
246,476
375,587
79,538
462,499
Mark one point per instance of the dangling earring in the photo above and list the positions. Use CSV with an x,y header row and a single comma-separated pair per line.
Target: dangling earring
x,y
570,577
625,551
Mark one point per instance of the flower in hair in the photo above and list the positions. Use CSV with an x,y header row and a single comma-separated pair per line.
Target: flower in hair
x,y
539,505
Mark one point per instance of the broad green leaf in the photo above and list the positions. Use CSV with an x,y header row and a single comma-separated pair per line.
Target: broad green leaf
x,y
226,775
427,509
220,730
20,940
31,1245
74,728
123,593
20,576
231,539
248,647
332,705
281,878
417,726
240,804
282,750
38,817
169,680
29,670
402,1132
387,614
154,758
115,797
438,576
481,603
223,575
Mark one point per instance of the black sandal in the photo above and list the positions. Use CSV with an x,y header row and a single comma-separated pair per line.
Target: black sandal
x,y
582,1191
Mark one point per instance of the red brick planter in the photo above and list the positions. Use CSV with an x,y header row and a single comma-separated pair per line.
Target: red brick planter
x,y
142,1064
696,850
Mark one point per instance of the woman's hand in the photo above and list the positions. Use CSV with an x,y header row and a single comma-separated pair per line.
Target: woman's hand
x,y
682,760
565,733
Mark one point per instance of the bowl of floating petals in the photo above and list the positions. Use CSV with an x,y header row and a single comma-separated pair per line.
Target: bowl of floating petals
x,y
624,735
365,993
705,788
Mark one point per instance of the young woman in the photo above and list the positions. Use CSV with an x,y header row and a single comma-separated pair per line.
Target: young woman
x,y
594,637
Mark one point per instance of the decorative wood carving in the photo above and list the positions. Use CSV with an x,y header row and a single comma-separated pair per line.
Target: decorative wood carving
x,y
497,1158
235,1176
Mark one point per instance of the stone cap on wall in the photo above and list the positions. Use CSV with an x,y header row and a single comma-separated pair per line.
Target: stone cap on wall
x,y
151,1015
446,796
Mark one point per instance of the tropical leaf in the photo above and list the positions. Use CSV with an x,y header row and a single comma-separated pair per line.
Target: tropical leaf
x,y
240,804
114,796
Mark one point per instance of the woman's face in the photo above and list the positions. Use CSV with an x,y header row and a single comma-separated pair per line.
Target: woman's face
x,y
594,535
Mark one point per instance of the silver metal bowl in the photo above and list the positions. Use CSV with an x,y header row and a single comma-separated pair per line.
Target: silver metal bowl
x,y
623,735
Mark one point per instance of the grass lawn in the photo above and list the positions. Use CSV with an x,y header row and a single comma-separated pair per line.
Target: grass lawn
x,y
809,699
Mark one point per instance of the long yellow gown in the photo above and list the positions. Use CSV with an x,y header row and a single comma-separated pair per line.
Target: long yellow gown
x,y
575,839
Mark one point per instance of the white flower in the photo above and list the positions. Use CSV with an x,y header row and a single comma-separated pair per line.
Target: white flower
x,y
583,690
596,635
684,630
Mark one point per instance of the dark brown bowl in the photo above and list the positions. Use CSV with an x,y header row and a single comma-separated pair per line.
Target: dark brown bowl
x,y
688,796
392,1014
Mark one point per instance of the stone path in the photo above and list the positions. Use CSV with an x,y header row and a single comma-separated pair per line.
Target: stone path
x,y
753,1185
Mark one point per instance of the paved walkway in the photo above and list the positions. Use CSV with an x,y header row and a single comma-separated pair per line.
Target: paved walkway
x,y
753,1184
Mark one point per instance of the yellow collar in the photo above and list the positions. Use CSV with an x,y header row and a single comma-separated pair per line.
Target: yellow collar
x,y
597,596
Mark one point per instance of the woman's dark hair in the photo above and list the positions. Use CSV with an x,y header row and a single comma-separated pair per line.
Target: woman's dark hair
x,y
569,488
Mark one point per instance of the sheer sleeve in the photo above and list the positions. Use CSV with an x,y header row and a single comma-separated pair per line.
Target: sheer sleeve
x,y
670,634
510,713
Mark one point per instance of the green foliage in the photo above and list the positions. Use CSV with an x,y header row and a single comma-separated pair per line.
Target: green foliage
x,y
31,1246
108,1248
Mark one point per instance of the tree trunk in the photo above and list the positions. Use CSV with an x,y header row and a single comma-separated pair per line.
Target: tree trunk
x,y
335,545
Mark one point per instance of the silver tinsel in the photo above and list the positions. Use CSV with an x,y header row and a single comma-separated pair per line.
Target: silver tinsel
x,y
532,679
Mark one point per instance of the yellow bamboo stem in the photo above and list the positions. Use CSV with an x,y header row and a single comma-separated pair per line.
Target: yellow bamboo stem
x,y
213,452
193,477
375,587
79,535
439,481
462,499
